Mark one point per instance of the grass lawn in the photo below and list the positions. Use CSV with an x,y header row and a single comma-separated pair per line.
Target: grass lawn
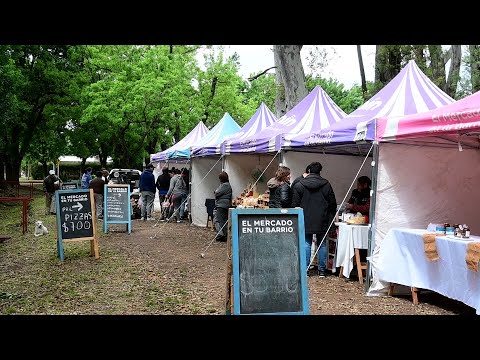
x,y
34,281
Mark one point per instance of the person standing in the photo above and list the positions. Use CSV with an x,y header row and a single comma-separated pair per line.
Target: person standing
x,y
304,175
279,187
223,200
162,184
186,178
177,189
147,189
360,199
104,175
86,178
97,185
315,196
51,183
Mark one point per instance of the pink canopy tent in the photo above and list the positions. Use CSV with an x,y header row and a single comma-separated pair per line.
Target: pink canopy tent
x,y
459,118
427,173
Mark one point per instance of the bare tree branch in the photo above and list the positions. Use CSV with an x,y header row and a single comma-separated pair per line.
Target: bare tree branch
x,y
260,74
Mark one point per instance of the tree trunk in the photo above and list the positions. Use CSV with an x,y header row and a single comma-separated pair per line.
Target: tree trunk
x,y
13,169
280,106
475,67
362,71
289,63
379,62
454,71
45,169
437,64
2,170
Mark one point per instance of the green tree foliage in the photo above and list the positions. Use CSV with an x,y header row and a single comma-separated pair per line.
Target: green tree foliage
x,y
347,100
143,94
262,89
221,90
33,78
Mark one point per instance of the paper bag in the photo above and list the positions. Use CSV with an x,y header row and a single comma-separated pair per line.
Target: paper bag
x,y
473,256
430,247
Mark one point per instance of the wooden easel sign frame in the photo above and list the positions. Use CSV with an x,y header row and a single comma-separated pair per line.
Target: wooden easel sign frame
x,y
76,220
117,207
269,262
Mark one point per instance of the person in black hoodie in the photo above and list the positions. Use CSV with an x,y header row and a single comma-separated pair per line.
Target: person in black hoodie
x,y
280,191
162,184
315,196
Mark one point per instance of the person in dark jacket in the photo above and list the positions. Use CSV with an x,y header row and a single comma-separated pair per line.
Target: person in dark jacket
x,y
97,185
315,196
304,175
162,184
280,191
147,189
223,200
360,199
50,184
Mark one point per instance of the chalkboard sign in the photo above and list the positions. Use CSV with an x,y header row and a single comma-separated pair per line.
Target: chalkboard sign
x,y
69,186
269,262
75,218
117,206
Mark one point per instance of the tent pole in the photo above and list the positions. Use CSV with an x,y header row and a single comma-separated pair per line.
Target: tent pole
x,y
371,215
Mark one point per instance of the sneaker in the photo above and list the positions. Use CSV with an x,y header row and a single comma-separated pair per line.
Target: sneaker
x,y
321,274
150,219
179,221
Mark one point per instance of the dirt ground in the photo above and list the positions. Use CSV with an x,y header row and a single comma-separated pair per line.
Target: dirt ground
x,y
174,250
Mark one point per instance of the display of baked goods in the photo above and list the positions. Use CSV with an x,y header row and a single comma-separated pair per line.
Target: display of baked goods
x,y
357,219
246,200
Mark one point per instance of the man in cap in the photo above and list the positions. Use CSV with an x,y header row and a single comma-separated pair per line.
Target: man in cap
x,y
51,183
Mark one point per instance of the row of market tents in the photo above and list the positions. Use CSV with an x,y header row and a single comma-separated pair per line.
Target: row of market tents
x,y
422,148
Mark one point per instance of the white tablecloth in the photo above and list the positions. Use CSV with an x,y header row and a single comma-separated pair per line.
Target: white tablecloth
x,y
402,260
349,238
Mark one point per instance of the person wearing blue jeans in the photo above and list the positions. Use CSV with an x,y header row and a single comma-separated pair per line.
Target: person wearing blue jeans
x,y
322,252
315,196
147,189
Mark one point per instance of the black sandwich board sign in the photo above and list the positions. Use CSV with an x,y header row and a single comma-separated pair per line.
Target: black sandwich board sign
x,y
76,219
117,206
269,262
69,186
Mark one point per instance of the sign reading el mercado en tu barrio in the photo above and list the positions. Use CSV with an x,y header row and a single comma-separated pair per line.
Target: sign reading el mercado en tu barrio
x,y
76,219
269,262
116,206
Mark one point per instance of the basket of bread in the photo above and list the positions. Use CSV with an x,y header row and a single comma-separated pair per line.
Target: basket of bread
x,y
358,219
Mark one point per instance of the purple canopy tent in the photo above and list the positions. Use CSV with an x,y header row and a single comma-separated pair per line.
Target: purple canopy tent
x,y
206,166
181,150
210,144
410,92
316,111
262,119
